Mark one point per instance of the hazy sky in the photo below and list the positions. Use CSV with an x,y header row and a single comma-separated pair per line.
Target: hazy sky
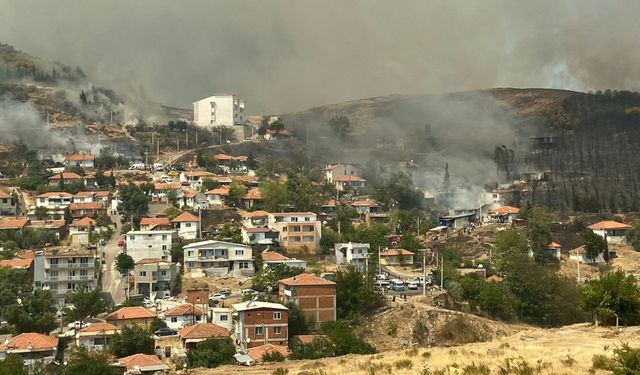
x,y
291,55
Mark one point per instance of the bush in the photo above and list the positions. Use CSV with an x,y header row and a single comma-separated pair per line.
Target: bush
x,y
273,356
211,353
626,360
457,331
403,364
474,369
601,362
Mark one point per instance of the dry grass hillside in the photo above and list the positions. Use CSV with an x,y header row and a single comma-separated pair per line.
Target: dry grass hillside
x,y
566,350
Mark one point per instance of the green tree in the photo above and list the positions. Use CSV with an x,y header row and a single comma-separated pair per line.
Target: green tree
x,y
399,187
211,353
172,197
41,212
354,294
209,184
132,339
81,361
595,245
277,125
343,340
236,192
409,242
614,293
633,237
85,304
12,365
134,202
274,196
497,300
320,347
539,233
267,278
156,324
68,218
510,247
32,312
341,125
297,322
301,193
626,360
124,263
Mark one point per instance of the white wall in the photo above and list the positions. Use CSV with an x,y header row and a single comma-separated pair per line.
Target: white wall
x,y
149,244
218,110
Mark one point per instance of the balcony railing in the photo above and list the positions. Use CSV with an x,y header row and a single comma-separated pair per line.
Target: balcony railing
x,y
70,265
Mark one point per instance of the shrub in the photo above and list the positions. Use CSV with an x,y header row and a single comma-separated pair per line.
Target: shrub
x,y
280,371
273,356
601,362
473,369
626,360
457,331
403,364
568,361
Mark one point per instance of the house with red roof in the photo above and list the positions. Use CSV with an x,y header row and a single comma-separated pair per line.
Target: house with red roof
x,y
187,225
349,182
131,315
23,260
143,364
257,352
259,235
96,336
54,200
315,296
503,214
272,258
396,257
333,171
31,348
65,178
556,250
14,224
84,159
8,204
299,232
155,223
87,209
260,323
80,229
185,315
612,231
217,196
154,276
190,336
252,198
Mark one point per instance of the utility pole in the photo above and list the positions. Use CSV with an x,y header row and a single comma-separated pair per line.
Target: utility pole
x,y
186,136
424,272
442,273
200,222
196,137
178,145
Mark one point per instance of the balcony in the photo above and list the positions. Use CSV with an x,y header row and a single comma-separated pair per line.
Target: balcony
x,y
70,265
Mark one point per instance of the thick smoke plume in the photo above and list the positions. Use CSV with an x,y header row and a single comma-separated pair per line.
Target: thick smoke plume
x,y
22,122
284,55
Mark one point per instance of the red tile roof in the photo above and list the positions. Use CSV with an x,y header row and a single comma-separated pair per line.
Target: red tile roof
x,y
17,262
306,279
85,206
365,203
33,340
257,352
185,309
198,174
610,225
51,224
17,223
253,194
259,213
223,157
142,362
155,221
555,245
84,194
149,261
136,312
167,186
4,195
84,222
66,176
99,327
258,230
55,194
307,213
395,252
185,217
190,193
505,210
272,256
79,157
203,331
349,178
218,191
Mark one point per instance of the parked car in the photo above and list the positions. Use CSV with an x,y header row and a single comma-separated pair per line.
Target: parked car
x,y
413,285
218,297
78,325
225,291
166,331
248,291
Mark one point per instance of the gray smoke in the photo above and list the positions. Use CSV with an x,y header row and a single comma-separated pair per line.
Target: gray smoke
x,y
284,55
22,122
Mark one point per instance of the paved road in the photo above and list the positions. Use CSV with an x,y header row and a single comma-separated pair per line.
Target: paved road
x,y
112,282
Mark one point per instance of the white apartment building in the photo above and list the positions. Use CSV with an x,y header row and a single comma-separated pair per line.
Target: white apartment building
x,y
218,258
298,231
65,270
154,276
150,244
185,315
333,171
219,110
354,254
187,225
57,201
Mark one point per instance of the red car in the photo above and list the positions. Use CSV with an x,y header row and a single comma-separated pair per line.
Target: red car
x,y
121,243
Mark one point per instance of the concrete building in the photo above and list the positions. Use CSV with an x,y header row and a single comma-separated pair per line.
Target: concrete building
x,y
349,183
219,110
299,232
31,348
155,276
54,201
259,236
221,316
84,159
315,296
150,244
271,259
503,214
396,257
187,225
137,315
260,323
80,229
65,270
612,231
218,258
355,254
8,205
190,336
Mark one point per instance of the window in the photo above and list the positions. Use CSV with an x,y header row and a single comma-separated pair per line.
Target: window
x,y
153,274
188,225
174,319
277,315
277,330
83,272
284,229
307,239
307,218
243,265
259,331
143,273
4,200
163,273
239,252
53,273
198,318
189,253
132,238
164,247
224,318
144,321
164,237
294,219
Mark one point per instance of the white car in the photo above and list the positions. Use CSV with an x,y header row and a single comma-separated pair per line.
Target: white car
x,y
78,325
414,285
248,291
218,297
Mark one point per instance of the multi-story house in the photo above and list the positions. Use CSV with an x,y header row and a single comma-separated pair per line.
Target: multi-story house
x,y
271,258
221,316
187,225
155,223
65,270
259,235
315,296
216,197
355,254
8,205
80,229
185,315
260,323
195,178
54,201
150,244
153,275
65,178
218,258
87,209
84,159
333,171
349,182
219,110
162,189
299,232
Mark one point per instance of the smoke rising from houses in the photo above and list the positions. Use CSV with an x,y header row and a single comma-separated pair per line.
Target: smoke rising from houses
x,y
285,55
22,122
